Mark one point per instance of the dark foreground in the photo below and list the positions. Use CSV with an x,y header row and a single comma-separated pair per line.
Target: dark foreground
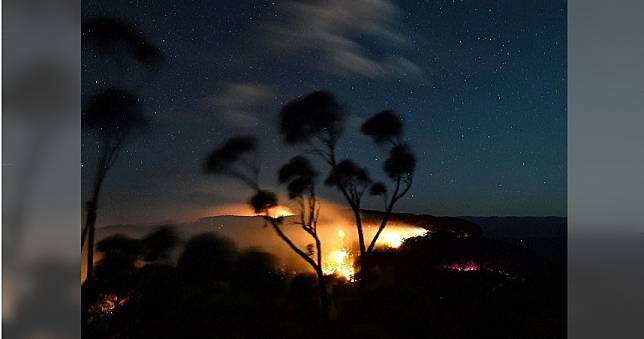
x,y
437,286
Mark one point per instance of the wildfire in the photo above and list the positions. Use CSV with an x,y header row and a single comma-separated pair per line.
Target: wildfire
x,y
339,261
468,266
107,303
393,237
245,210
279,212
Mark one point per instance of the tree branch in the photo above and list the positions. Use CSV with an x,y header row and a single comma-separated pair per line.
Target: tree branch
x,y
290,243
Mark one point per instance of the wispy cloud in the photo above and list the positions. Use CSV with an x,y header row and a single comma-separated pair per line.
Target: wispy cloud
x,y
236,103
335,30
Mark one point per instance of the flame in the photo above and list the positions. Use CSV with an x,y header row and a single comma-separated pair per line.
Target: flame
x,y
339,261
244,210
279,212
341,233
393,237
107,303
392,240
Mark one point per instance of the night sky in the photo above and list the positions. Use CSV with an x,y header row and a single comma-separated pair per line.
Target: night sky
x,y
481,86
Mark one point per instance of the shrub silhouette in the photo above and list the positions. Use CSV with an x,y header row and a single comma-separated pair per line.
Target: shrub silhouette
x,y
207,259
159,244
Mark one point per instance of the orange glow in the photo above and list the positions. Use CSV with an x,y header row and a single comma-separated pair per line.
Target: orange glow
x,y
243,210
279,212
107,303
394,236
466,267
339,261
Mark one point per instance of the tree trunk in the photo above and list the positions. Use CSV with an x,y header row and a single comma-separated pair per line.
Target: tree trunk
x,y
383,224
325,307
92,206
90,226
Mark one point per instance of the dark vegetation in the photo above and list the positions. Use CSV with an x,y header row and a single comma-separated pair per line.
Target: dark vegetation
x,y
214,290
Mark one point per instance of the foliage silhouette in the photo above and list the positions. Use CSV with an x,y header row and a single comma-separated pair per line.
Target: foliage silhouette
x,y
236,158
159,244
315,117
206,259
378,188
348,174
383,127
401,162
262,201
299,176
116,38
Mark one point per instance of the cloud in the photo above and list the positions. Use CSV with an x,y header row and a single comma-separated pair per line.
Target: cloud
x,y
236,103
335,30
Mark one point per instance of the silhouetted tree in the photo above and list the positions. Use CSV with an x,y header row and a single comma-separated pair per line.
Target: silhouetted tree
x,y
115,272
385,127
237,158
114,114
159,244
316,121
299,176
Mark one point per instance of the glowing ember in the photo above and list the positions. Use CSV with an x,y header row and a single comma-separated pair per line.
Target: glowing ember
x,y
107,303
469,266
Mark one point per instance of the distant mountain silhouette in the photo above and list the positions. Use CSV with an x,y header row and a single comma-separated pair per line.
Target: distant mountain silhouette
x,y
521,227
230,225
546,236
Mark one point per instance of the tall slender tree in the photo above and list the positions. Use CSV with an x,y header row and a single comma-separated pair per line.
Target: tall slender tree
x,y
114,114
386,128
237,158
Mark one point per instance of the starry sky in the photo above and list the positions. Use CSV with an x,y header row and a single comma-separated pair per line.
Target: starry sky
x,y
481,87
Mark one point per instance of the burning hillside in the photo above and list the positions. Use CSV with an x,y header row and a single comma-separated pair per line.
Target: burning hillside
x,y
336,229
